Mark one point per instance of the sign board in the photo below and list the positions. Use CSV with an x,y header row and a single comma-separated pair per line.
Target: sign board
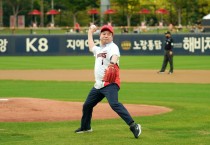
x,y
129,44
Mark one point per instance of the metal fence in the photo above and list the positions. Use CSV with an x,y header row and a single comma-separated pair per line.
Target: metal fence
x,y
117,29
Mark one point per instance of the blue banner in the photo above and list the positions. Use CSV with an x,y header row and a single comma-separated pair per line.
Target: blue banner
x,y
129,44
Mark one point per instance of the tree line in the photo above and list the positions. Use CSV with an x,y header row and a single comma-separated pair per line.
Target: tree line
x,y
126,12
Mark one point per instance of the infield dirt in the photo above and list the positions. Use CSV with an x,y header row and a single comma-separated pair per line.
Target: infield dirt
x,y
30,109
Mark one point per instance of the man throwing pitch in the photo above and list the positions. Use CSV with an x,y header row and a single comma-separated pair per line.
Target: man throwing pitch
x,y
107,81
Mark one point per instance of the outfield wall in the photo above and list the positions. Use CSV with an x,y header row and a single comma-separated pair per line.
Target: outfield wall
x,y
129,44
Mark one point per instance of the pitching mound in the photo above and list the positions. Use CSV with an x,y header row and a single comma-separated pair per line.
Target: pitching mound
x,y
34,110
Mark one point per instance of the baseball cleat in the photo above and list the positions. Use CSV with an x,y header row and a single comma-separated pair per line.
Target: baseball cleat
x,y
79,130
170,73
136,129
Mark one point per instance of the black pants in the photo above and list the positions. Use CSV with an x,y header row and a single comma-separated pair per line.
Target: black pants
x,y
167,58
95,96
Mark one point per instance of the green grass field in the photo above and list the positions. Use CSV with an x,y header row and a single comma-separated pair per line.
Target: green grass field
x,y
87,62
187,124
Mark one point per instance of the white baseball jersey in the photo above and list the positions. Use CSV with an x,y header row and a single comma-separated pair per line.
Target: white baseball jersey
x,y
103,56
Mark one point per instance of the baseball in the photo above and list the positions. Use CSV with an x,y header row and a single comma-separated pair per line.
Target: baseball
x,y
93,26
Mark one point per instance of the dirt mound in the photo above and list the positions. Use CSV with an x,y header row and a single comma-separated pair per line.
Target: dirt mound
x,y
34,110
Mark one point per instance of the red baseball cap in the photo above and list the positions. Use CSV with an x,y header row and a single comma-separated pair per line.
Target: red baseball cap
x,y
107,27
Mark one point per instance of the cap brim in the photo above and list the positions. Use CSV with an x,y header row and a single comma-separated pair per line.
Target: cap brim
x,y
106,29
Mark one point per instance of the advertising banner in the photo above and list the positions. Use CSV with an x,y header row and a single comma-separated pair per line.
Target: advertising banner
x,y
12,21
129,44
21,21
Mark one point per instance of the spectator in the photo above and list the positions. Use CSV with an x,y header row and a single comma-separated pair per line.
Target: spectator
x,y
77,27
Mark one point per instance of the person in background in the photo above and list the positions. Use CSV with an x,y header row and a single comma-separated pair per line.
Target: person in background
x,y
168,54
77,27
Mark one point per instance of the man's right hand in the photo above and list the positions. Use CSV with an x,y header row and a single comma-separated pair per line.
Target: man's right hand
x,y
92,28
